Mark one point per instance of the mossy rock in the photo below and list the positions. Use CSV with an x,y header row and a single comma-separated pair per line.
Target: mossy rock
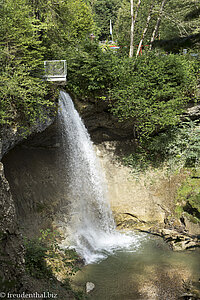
x,y
188,197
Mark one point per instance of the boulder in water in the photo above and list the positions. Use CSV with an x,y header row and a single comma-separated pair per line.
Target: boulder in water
x,y
89,287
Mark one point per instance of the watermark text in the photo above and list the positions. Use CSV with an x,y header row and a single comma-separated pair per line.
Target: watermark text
x,y
23,295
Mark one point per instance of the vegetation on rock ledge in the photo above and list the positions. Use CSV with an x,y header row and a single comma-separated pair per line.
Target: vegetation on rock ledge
x,y
44,259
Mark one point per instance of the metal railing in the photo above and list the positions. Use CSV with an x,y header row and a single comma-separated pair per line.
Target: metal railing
x,y
55,70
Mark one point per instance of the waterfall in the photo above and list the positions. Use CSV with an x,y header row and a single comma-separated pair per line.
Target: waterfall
x,y
91,228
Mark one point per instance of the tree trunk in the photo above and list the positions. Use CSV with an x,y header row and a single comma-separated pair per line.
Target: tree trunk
x,y
157,23
133,20
145,29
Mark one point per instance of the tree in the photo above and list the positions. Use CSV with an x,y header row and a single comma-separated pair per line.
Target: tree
x,y
32,31
157,23
21,55
146,28
65,25
123,24
104,11
19,34
180,19
183,16
133,20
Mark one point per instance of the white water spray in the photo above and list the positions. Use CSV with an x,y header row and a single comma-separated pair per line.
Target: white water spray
x,y
92,229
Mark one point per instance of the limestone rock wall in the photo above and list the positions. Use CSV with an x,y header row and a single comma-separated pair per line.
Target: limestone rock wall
x,y
11,245
148,198
101,124
11,241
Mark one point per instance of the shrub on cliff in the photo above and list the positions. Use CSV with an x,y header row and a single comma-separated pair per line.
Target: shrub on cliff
x,y
90,71
153,91
176,148
23,93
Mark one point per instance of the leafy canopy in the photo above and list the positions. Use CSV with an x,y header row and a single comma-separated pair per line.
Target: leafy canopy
x,y
153,91
32,31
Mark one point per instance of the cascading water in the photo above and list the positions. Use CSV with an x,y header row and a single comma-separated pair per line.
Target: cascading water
x,y
92,229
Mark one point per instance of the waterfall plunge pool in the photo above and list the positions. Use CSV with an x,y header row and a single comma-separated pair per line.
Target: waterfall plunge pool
x,y
150,271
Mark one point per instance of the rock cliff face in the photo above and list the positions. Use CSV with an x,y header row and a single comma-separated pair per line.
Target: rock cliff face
x,y
146,202
11,246
11,136
101,124
11,242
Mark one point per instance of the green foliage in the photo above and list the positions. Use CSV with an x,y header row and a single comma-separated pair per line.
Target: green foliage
x,y
19,34
31,32
71,22
23,94
188,196
178,147
104,11
123,23
179,20
153,91
35,261
185,147
44,256
90,71
24,98
178,211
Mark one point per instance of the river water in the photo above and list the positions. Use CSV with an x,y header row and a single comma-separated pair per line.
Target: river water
x,y
153,272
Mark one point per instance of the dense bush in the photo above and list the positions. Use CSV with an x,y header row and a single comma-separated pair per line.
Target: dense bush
x,y
44,258
90,71
23,93
31,32
153,91
24,98
178,147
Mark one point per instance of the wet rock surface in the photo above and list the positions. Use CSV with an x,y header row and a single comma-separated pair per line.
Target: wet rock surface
x,y
89,287
101,124
179,242
11,136
11,245
12,269
174,232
